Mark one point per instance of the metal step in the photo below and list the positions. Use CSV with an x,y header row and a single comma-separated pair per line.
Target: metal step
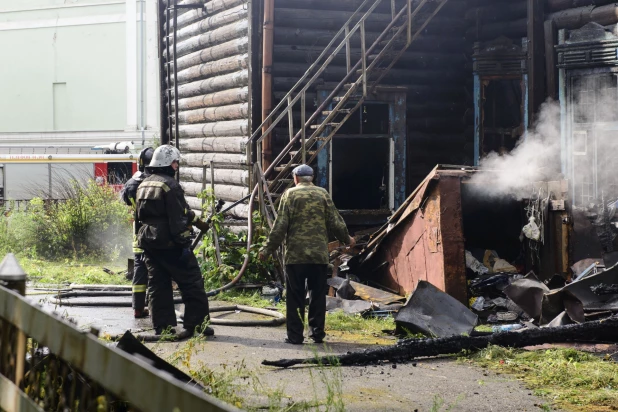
x,y
284,181
282,167
340,111
316,126
308,152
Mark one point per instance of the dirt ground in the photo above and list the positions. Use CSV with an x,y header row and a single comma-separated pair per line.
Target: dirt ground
x,y
423,385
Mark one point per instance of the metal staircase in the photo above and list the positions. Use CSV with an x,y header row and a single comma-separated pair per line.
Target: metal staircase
x,y
407,23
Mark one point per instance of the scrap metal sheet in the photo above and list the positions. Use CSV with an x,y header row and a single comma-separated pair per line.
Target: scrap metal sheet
x,y
433,312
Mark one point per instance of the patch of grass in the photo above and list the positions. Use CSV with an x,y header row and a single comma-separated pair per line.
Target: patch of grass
x,y
340,321
46,272
570,379
248,299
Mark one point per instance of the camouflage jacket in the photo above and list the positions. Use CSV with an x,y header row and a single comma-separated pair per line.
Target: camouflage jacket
x,y
306,218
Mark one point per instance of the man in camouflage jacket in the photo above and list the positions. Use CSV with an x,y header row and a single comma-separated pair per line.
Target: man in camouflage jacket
x,y
305,219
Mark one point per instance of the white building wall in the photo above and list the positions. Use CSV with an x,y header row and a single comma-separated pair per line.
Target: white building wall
x,y
71,72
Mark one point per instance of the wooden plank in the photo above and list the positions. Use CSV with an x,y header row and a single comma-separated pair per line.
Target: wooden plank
x,y
551,39
536,57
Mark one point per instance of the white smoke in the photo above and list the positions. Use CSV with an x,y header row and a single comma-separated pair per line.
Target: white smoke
x,y
536,157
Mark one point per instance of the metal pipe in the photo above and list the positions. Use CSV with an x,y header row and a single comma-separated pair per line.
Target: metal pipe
x,y
267,80
169,74
177,135
142,66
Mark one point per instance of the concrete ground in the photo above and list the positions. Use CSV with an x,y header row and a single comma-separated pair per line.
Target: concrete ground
x,y
422,385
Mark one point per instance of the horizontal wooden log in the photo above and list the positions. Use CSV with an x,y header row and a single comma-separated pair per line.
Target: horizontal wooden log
x,y
434,140
213,22
557,5
214,144
214,114
218,52
212,38
221,98
435,108
334,20
214,84
218,129
210,69
334,73
410,60
241,211
238,177
498,12
312,37
201,159
576,18
193,15
229,193
512,29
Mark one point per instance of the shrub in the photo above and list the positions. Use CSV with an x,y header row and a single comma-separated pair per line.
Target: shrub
x,y
90,223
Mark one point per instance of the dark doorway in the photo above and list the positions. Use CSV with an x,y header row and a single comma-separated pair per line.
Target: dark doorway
x,y
360,173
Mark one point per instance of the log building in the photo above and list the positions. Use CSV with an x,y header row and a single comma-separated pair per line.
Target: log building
x,y
471,83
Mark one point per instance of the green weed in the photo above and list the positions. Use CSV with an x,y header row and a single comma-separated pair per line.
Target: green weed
x,y
569,378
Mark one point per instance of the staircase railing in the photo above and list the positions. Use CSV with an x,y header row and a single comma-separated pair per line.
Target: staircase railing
x,y
381,48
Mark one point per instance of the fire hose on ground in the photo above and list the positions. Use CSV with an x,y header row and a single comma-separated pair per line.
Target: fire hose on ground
x,y
63,296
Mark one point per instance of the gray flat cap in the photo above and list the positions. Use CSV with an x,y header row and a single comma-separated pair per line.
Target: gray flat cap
x,y
302,170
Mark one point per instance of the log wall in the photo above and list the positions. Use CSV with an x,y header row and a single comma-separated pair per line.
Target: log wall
x,y
434,69
214,106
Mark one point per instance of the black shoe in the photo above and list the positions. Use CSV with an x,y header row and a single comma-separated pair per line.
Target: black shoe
x,y
166,330
292,342
207,331
318,340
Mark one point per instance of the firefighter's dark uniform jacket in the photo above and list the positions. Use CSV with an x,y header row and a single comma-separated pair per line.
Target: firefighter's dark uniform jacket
x,y
166,219
140,273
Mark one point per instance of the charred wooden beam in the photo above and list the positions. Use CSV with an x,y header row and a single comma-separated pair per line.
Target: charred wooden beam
x,y
333,20
498,12
312,37
220,51
411,60
536,56
513,29
602,330
557,5
576,18
334,73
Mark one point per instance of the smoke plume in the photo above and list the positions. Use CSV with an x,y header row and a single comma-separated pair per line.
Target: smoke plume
x,y
536,157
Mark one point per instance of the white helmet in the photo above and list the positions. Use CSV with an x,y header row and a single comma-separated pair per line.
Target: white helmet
x,y
164,156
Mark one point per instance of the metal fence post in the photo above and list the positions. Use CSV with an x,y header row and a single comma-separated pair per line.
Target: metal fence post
x,y
13,277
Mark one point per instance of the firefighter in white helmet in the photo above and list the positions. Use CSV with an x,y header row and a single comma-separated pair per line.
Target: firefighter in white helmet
x,y
164,235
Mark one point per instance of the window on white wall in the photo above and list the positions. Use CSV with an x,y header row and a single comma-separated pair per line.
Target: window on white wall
x,y
61,107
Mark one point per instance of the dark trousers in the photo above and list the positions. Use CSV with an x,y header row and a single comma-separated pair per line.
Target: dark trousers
x,y
165,266
140,282
315,276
